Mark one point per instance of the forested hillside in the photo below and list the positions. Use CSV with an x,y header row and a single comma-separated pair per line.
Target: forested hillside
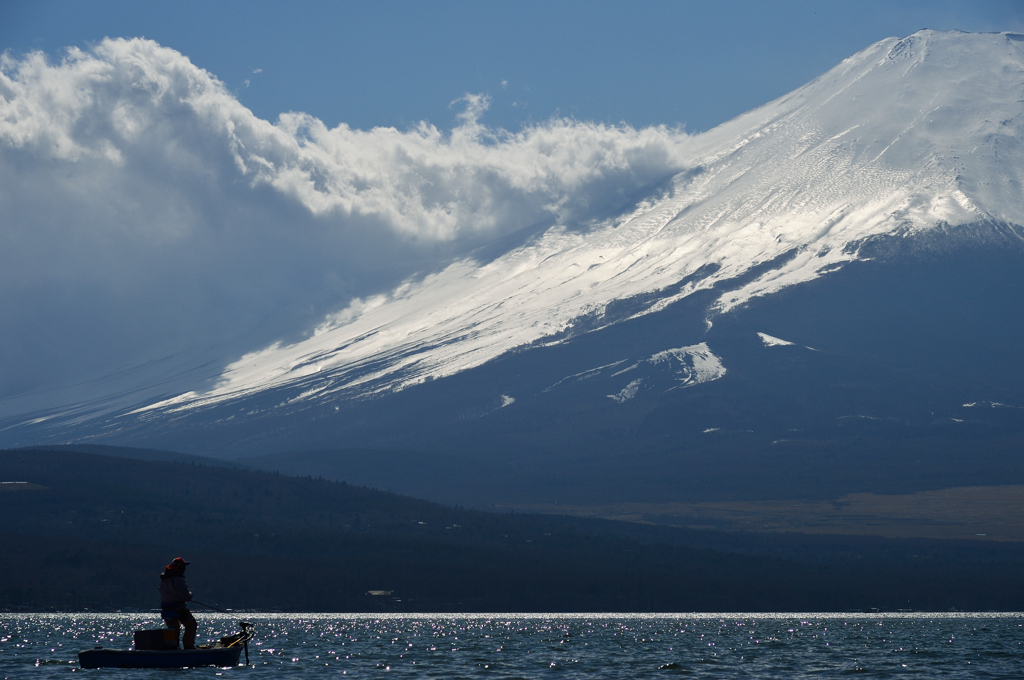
x,y
86,531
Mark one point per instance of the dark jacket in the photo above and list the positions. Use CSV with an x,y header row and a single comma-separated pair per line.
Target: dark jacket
x,y
174,592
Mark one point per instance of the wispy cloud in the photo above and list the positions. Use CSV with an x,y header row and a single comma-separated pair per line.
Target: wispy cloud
x,y
144,211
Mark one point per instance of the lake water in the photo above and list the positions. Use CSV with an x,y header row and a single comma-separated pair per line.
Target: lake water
x,y
550,646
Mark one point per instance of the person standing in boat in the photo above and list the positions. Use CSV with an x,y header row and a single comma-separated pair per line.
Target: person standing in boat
x,y
174,599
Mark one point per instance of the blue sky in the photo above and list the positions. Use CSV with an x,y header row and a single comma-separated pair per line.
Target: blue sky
x,y
396,63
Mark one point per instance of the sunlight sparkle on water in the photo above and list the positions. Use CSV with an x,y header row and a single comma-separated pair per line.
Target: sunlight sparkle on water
x,y
528,646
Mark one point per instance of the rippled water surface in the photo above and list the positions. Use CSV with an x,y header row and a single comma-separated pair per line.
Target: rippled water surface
x,y
550,646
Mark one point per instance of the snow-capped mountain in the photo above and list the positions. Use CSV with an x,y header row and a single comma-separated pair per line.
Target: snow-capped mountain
x,y
903,137
909,149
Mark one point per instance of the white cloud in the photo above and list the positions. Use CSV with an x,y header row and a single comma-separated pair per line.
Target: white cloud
x,y
144,212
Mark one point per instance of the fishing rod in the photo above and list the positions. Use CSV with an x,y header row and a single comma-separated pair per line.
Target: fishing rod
x,y
209,606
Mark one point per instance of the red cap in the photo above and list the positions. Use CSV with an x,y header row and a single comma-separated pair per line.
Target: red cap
x,y
177,564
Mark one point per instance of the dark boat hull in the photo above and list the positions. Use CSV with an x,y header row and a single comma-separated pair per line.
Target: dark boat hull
x,y
176,658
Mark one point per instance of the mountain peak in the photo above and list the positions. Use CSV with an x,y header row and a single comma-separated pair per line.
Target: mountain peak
x,y
904,136
908,133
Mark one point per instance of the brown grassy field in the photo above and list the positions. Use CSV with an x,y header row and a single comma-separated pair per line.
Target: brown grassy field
x,y
994,513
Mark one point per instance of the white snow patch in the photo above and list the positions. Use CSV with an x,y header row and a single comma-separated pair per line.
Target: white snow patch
x,y
690,365
507,400
697,363
625,370
772,341
990,404
628,392
587,374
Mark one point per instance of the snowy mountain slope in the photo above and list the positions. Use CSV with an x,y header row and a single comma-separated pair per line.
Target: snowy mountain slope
x,y
903,137
905,347
907,143
902,347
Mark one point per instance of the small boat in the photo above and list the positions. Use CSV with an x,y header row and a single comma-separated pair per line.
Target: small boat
x,y
159,658
222,653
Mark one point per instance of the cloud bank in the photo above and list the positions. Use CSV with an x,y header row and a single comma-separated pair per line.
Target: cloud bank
x,y
147,216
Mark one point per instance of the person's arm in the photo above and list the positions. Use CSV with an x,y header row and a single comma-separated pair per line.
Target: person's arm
x,y
181,589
